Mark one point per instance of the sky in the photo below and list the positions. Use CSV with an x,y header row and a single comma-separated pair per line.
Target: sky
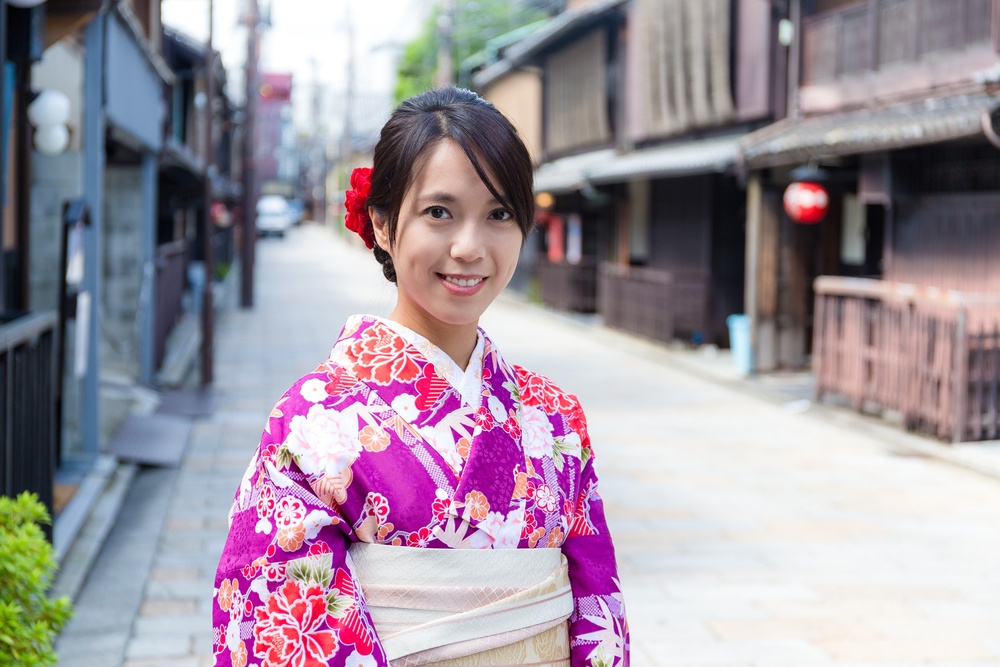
x,y
309,38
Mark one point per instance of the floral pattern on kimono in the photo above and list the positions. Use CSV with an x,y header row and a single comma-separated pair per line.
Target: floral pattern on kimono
x,y
358,451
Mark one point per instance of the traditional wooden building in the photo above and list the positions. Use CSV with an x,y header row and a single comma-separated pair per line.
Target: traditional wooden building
x,y
893,297
643,105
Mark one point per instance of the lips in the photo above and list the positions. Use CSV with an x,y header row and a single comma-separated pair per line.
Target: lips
x,y
461,285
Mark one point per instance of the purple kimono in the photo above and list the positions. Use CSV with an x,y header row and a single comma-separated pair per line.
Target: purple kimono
x,y
379,445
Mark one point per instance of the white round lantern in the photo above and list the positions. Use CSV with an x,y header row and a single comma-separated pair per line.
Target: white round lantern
x,y
52,140
51,107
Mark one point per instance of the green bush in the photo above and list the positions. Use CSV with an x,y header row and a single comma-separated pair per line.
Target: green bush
x,y
29,619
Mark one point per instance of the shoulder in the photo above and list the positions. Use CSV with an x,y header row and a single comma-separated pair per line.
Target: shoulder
x,y
538,391
329,388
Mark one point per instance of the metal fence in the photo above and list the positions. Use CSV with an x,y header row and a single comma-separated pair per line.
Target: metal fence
x,y
28,427
932,355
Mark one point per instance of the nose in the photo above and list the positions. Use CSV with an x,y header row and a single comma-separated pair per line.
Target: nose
x,y
468,243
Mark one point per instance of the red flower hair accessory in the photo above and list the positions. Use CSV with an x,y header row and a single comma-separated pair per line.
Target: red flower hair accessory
x,y
356,202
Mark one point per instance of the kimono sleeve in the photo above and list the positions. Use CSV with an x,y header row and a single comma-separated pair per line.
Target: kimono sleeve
x,y
598,629
285,592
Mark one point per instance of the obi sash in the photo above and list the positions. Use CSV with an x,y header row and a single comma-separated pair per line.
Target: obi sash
x,y
467,607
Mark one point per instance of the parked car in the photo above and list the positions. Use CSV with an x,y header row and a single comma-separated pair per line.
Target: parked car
x,y
274,215
298,209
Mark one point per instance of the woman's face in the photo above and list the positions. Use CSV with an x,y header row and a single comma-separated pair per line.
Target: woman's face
x,y
456,246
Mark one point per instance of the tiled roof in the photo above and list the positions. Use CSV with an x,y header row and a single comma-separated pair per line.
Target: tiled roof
x,y
680,158
796,140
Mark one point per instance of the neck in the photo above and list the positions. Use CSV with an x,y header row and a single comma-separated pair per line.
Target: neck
x,y
458,341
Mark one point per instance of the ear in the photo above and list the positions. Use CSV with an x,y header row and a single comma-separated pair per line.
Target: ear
x,y
381,229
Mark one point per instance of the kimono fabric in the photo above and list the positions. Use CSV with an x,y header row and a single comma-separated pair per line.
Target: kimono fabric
x,y
400,511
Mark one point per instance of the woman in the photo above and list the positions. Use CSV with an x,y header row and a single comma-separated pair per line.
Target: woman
x,y
417,499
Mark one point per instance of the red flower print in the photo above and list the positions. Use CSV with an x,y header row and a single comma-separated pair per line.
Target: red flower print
x,y
377,506
289,511
529,525
351,628
512,426
339,381
265,502
440,508
383,357
429,387
578,422
220,639
477,505
250,571
529,490
237,610
538,391
319,548
291,628
274,571
484,418
373,439
419,538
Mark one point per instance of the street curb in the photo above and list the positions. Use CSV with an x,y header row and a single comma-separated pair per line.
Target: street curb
x,y
870,425
82,528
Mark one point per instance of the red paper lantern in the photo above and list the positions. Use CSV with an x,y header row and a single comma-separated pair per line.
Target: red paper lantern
x,y
806,203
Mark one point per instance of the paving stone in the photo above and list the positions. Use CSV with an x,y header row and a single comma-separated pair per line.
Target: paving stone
x,y
746,535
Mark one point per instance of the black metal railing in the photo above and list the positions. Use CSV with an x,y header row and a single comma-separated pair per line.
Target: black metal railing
x,y
29,437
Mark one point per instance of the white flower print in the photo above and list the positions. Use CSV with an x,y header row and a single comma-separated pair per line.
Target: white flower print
x,y
536,433
355,659
492,524
406,407
324,441
497,409
313,390
545,499
233,634
263,526
289,512
510,534
314,521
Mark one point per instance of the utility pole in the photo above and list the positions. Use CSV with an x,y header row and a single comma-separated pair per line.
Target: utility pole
x,y
249,161
345,136
445,69
207,301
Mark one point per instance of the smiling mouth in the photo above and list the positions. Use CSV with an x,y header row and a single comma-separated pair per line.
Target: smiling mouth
x,y
462,282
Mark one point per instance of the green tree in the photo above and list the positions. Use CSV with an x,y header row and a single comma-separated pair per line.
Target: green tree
x,y
29,619
475,23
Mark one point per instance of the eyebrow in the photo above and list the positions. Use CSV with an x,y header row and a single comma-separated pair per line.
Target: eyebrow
x,y
445,197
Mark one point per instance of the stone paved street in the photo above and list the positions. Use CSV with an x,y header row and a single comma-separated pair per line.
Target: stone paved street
x,y
747,534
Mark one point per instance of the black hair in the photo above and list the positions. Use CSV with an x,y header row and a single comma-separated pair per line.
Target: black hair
x,y
488,138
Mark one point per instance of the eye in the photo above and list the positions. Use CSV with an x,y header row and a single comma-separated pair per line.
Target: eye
x,y
437,212
501,214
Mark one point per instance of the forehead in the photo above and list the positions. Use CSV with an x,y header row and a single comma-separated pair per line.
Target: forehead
x,y
444,167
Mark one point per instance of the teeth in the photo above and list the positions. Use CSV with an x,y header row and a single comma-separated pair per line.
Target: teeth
x,y
461,282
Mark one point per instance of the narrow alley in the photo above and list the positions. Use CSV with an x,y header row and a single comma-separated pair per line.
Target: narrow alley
x,y
746,534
